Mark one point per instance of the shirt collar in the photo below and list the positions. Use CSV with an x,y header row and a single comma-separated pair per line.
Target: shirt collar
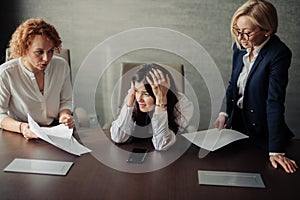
x,y
258,48
31,74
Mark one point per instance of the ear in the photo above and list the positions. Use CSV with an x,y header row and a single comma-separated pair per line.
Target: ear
x,y
268,33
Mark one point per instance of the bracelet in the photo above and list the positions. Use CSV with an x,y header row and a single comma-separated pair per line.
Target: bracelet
x,y
161,105
20,127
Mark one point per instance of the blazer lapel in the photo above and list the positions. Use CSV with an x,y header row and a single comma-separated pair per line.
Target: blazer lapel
x,y
238,70
257,61
255,65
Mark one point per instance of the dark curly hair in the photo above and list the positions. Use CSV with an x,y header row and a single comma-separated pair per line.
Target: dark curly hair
x,y
142,118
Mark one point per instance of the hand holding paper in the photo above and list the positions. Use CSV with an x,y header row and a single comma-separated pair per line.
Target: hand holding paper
x,y
59,136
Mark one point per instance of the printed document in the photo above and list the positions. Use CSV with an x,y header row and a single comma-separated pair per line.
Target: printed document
x,y
59,136
213,139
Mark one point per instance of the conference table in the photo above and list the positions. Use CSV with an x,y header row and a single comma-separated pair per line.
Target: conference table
x,y
89,178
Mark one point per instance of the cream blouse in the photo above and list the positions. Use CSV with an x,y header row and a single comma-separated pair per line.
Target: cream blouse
x,y
20,94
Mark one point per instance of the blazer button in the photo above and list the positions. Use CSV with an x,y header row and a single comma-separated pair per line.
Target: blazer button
x,y
251,111
253,124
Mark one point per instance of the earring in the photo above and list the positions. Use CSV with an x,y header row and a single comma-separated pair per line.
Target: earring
x,y
266,35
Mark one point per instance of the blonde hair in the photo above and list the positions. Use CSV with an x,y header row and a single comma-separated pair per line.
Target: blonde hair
x,y
25,33
261,13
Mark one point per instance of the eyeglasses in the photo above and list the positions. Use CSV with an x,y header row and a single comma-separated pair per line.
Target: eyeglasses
x,y
246,36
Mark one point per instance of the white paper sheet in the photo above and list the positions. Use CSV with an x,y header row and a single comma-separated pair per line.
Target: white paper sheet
x,y
213,139
39,166
59,136
59,131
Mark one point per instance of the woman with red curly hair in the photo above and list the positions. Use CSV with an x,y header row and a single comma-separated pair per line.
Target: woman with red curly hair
x,y
35,81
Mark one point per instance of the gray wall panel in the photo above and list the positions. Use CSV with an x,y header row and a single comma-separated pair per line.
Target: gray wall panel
x,y
84,24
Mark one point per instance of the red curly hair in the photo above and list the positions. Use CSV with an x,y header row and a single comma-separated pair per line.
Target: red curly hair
x,y
25,33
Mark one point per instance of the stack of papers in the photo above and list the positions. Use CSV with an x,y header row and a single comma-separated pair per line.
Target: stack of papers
x,y
214,139
59,136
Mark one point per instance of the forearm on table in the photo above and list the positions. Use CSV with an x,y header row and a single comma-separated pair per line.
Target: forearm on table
x,y
117,135
11,124
122,127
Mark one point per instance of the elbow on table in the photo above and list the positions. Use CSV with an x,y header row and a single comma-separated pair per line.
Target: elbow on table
x,y
117,139
166,146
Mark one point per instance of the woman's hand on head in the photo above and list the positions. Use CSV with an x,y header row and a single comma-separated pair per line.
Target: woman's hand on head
x,y
290,166
160,84
131,95
67,120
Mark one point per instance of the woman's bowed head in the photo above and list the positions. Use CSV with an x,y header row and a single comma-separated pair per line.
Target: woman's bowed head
x,y
153,99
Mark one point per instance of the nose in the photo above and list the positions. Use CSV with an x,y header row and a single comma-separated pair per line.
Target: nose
x,y
46,57
240,36
139,97
243,36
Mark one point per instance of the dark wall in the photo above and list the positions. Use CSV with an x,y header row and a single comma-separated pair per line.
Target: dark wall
x,y
9,22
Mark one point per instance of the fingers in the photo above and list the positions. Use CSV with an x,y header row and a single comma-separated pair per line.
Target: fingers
x,y
131,95
158,78
27,133
274,163
220,122
288,165
67,120
132,89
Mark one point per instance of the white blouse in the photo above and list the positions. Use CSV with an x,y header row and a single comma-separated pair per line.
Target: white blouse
x,y
20,94
162,137
242,80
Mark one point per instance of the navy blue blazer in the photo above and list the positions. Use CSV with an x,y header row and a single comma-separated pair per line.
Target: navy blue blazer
x,y
264,96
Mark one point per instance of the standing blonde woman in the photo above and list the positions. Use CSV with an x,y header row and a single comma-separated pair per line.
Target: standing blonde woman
x,y
35,81
257,88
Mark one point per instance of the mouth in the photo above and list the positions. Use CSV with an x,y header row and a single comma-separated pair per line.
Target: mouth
x,y
142,105
244,43
43,65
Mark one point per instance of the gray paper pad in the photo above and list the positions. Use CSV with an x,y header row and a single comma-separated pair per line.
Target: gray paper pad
x,y
230,179
39,166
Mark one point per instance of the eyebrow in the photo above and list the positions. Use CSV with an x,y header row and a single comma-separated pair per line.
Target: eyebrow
x,y
238,28
41,49
144,90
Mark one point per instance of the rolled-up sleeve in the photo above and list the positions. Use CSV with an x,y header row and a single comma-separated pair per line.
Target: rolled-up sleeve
x,y
163,137
122,128
4,100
